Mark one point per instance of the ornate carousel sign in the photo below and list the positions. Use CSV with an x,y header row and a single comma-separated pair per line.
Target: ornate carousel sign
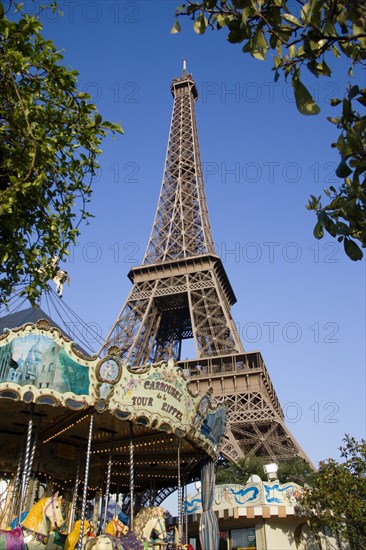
x,y
38,364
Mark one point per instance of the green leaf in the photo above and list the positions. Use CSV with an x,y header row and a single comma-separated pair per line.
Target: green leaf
x,y
352,250
292,19
362,100
355,90
343,170
176,28
200,24
292,51
235,37
304,100
313,67
305,12
246,12
329,28
336,51
325,70
260,40
222,20
259,46
273,41
318,231
258,55
276,61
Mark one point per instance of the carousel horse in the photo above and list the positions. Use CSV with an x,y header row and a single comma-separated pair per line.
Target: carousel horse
x,y
176,545
73,537
176,537
34,531
115,528
60,278
149,529
56,540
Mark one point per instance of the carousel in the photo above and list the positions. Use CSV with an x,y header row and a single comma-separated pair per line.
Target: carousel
x,y
90,447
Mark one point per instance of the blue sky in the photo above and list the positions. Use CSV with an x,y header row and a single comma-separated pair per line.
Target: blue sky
x,y
301,302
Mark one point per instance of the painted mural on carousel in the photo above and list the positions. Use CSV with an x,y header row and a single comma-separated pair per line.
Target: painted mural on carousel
x,y
43,363
251,494
39,364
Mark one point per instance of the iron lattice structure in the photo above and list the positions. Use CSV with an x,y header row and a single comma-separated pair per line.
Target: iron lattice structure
x,y
181,291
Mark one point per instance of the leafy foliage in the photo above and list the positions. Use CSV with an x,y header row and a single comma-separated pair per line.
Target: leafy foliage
x,y
302,35
239,472
49,143
296,470
337,496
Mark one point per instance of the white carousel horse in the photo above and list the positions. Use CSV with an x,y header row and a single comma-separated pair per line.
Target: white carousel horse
x,y
33,534
60,276
149,530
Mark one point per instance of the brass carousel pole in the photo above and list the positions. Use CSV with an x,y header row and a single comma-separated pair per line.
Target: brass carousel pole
x,y
26,463
179,497
117,500
70,522
28,496
16,483
132,476
85,492
185,511
108,487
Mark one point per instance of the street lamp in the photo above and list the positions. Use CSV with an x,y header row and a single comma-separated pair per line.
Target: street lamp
x,y
271,471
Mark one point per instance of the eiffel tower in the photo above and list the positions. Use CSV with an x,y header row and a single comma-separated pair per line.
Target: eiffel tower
x,y
181,291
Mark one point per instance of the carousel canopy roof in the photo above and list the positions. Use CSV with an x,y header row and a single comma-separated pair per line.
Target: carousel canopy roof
x,y
42,370
59,314
28,315
68,323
